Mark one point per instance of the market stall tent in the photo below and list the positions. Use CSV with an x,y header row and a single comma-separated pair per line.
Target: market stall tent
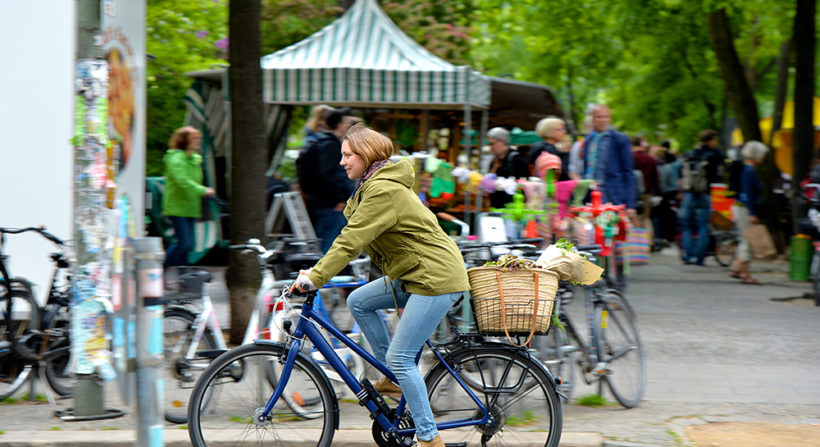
x,y
363,59
783,140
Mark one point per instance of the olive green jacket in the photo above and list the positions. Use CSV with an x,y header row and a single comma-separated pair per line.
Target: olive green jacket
x,y
387,220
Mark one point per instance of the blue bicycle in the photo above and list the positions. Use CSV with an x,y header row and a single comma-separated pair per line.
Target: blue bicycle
x,y
482,393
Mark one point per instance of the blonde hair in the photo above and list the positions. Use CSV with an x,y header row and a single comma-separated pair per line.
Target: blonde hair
x,y
368,144
317,115
544,127
181,138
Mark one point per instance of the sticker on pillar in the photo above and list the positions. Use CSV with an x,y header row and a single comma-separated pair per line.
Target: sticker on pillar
x,y
150,282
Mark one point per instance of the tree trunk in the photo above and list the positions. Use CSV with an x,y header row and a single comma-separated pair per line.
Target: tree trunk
x,y
740,95
804,35
782,87
248,162
741,98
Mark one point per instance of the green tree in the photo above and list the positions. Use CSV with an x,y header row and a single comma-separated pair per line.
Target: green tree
x,y
181,36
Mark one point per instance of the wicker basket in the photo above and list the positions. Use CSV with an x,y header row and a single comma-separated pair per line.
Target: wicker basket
x,y
512,302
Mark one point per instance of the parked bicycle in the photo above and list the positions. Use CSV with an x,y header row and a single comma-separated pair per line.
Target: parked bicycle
x,y
34,339
613,353
490,391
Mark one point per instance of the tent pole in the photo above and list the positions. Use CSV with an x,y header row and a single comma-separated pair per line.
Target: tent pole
x,y
467,143
425,130
479,196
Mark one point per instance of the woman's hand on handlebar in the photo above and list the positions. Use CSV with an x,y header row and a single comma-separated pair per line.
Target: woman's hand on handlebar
x,y
303,283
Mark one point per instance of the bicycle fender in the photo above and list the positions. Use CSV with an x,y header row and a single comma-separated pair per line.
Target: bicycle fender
x,y
334,401
492,345
178,308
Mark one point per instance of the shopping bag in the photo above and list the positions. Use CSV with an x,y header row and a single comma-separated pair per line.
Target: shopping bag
x,y
637,246
760,241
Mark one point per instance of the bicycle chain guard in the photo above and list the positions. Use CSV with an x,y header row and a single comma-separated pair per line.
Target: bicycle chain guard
x,y
383,438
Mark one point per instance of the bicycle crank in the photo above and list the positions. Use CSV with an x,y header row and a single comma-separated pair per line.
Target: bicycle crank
x,y
385,439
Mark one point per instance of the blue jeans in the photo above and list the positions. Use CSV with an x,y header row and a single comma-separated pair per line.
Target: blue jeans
x,y
328,224
177,254
421,316
695,213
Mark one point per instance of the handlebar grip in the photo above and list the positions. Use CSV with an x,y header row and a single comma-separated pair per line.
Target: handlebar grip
x,y
52,238
237,247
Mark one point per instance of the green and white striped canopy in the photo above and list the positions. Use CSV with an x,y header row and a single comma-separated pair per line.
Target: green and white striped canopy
x,y
364,59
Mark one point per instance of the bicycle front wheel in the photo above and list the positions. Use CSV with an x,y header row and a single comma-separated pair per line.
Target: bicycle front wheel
x,y
24,319
58,371
725,246
180,372
516,390
620,348
228,400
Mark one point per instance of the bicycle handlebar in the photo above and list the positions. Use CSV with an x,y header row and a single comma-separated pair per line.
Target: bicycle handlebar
x,y
41,230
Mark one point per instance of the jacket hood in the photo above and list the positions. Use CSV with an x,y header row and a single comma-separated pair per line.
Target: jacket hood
x,y
399,172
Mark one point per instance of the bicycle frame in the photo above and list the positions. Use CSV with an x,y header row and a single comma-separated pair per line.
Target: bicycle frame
x,y
305,328
587,348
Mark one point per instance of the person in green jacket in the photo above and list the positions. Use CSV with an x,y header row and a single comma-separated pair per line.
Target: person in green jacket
x,y
424,267
181,201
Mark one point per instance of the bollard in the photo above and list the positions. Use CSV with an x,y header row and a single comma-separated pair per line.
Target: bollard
x,y
150,386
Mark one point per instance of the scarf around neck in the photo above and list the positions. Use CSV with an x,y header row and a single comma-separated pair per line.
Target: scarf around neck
x,y
375,166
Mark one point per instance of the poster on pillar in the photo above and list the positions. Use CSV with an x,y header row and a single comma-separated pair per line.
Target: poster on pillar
x,y
123,43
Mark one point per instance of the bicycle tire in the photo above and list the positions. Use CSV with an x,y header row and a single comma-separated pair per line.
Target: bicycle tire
x,y
57,371
513,397
619,346
725,247
552,351
14,370
234,393
180,372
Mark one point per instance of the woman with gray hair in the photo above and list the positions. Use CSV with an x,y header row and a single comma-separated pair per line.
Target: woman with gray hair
x,y
747,208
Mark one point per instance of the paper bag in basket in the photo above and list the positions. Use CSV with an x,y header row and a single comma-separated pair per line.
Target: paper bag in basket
x,y
569,265
760,241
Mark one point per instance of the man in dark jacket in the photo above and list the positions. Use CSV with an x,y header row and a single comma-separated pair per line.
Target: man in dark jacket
x,y
323,181
696,208
608,161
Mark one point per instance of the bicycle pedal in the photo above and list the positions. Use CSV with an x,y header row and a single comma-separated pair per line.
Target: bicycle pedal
x,y
601,370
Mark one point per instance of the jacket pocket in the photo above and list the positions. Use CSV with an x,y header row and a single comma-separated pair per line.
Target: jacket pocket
x,y
399,265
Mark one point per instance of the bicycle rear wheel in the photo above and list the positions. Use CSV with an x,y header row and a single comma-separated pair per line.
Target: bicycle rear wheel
x,y
557,353
180,372
24,319
619,346
229,397
515,388
725,246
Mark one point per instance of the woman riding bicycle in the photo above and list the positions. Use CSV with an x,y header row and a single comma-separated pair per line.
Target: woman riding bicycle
x,y
424,268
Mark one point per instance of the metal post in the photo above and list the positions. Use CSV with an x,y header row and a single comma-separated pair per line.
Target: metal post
x,y
468,115
150,386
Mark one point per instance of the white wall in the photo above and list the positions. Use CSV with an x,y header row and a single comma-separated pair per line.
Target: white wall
x,y
36,119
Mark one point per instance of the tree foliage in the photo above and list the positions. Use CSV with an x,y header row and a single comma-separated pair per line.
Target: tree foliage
x,y
181,36
650,59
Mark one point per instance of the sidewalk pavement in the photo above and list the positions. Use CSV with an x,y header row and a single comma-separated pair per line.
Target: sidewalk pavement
x,y
717,351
